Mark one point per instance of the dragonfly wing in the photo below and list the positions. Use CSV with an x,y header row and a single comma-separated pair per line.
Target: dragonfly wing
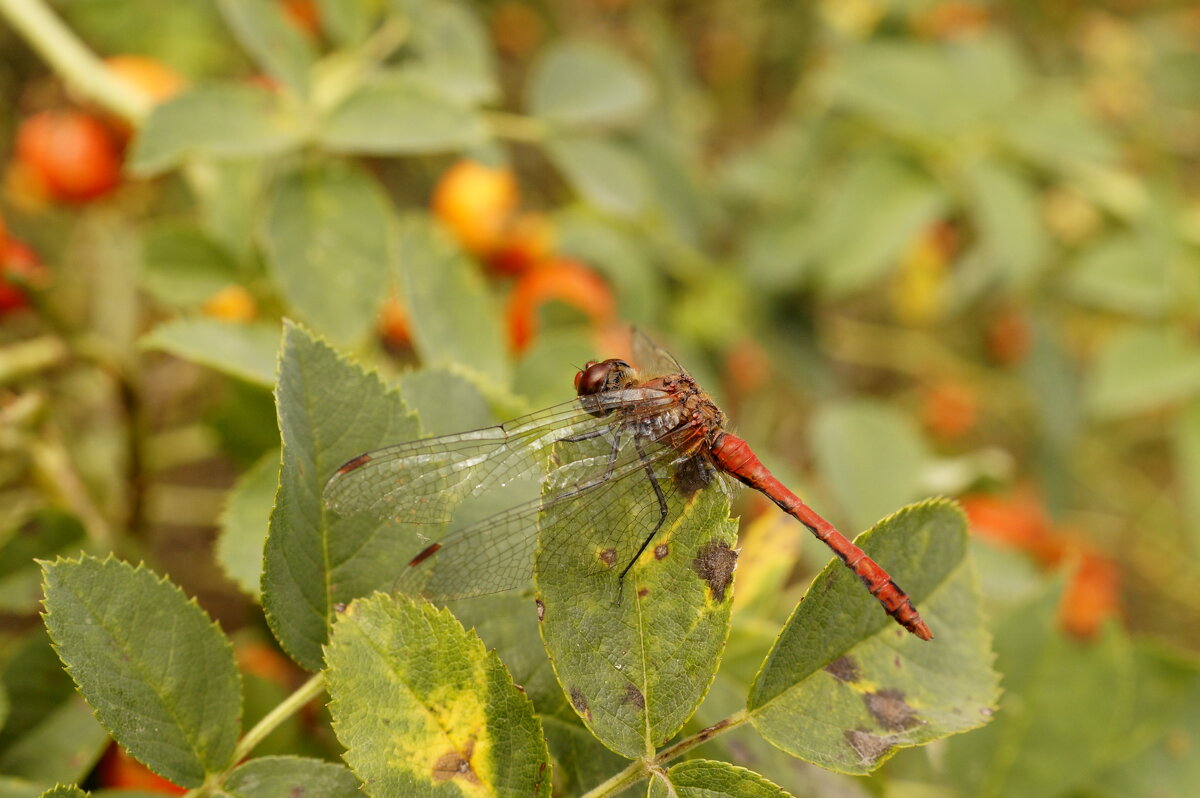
x,y
602,492
423,481
650,358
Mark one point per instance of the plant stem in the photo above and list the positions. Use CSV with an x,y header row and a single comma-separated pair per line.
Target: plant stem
x,y
288,707
641,768
74,63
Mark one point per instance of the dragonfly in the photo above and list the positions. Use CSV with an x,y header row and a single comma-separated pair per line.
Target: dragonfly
x,y
644,441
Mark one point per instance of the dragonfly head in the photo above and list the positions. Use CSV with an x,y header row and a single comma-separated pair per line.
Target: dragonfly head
x,y
607,375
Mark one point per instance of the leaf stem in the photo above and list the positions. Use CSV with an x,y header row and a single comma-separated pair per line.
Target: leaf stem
x,y
288,707
641,768
75,63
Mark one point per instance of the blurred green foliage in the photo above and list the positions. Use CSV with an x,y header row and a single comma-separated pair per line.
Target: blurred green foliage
x,y
914,247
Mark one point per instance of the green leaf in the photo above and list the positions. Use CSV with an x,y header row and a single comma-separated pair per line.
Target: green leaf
x,y
1008,214
875,209
1143,368
328,240
704,778
64,791
934,90
580,83
616,254
347,21
604,172
453,52
183,267
418,702
224,121
580,761
50,735
445,401
288,777
844,686
273,40
871,455
400,114
1065,705
47,534
329,411
229,195
246,351
1126,273
1057,133
244,523
158,671
635,669
455,323
1167,711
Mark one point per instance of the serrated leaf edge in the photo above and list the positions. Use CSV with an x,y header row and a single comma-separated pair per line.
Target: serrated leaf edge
x,y
162,580
477,648
293,327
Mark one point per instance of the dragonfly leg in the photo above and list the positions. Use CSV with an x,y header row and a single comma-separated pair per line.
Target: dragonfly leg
x,y
662,517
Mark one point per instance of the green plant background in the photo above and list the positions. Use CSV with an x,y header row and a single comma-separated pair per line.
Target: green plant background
x,y
755,181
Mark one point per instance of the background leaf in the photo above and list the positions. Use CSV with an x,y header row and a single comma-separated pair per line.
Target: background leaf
x,y
704,778
171,698
277,44
328,233
1143,368
454,322
418,702
329,411
580,83
1045,740
288,777
453,51
50,734
244,523
876,207
604,173
400,114
871,455
844,685
225,121
47,534
247,351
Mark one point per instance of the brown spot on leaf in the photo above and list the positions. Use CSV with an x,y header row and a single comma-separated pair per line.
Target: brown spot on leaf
x,y
714,564
456,765
643,592
634,696
661,551
541,609
896,661
692,476
869,747
844,669
891,711
608,556
580,702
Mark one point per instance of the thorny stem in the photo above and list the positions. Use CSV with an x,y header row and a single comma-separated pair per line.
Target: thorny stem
x,y
75,63
641,768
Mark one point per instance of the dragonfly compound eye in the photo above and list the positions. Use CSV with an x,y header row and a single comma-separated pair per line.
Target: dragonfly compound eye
x,y
593,379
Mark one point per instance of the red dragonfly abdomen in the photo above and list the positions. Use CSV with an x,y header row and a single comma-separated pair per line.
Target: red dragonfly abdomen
x,y
734,456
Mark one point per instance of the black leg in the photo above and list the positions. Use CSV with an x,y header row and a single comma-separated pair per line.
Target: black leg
x,y
662,518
